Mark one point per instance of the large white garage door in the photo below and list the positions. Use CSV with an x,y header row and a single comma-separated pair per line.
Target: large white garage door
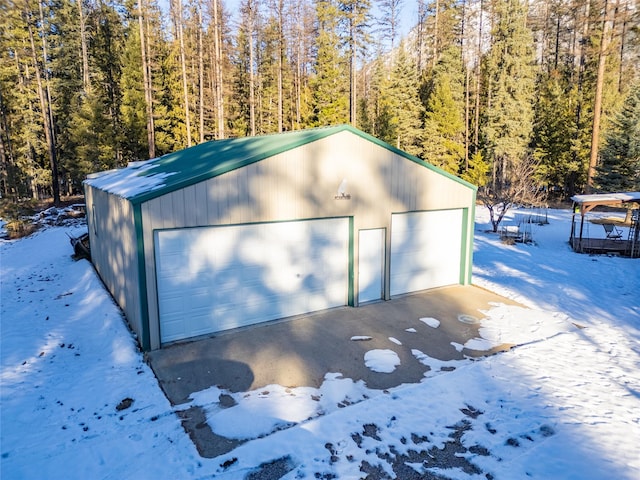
x,y
425,250
211,279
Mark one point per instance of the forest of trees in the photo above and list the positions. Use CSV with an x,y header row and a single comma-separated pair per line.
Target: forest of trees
x,y
477,87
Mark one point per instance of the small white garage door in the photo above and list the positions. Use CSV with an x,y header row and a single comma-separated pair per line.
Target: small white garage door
x,y
371,265
425,250
211,279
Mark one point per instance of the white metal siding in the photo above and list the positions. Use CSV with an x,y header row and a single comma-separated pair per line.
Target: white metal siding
x,y
298,184
425,250
114,250
217,278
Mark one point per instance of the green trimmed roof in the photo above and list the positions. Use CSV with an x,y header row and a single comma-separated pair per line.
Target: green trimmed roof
x,y
144,181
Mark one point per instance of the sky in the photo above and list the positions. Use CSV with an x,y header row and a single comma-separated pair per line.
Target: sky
x,y
78,400
408,12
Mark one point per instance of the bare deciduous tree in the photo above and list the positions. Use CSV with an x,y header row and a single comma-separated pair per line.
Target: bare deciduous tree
x,y
520,187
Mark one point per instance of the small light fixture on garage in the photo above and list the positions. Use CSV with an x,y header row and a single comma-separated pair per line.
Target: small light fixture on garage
x,y
342,191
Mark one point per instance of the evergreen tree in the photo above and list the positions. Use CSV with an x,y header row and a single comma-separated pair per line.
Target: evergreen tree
x,y
510,67
133,106
478,171
402,106
378,109
559,168
66,83
168,109
389,22
105,98
444,127
330,84
242,111
355,14
619,168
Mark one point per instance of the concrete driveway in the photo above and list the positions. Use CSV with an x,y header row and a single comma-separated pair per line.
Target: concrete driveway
x,y
300,351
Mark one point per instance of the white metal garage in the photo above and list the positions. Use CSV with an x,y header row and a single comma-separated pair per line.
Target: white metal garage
x,y
218,278
426,249
239,231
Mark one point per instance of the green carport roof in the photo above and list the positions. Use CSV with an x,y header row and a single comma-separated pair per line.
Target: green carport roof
x,y
144,181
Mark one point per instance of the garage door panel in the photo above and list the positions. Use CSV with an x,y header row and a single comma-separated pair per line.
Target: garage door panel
x,y
249,273
425,250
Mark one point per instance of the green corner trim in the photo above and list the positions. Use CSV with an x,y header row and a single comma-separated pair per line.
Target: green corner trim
x,y
472,222
351,299
466,247
142,280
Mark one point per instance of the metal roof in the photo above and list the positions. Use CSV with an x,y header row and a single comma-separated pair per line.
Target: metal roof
x,y
588,202
143,181
607,198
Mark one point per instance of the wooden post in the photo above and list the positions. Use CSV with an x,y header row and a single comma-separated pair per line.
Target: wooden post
x,y
581,229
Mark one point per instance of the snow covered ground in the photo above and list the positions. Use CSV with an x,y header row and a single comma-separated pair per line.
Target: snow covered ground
x,y
78,401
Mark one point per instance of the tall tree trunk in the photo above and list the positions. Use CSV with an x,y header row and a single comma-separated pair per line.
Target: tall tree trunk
x,y
217,40
298,72
146,79
6,153
466,119
200,76
252,61
581,56
436,46
556,56
466,84
352,75
47,84
422,16
45,112
86,83
623,33
183,66
280,7
597,105
478,75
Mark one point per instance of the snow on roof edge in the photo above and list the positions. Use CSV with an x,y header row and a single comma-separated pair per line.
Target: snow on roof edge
x,y
608,197
129,181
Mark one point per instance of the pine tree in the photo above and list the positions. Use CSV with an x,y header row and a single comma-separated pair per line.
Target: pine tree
x,y
444,127
356,17
389,22
268,71
619,169
377,106
39,24
168,109
559,169
106,69
67,83
403,105
478,171
330,84
24,152
133,106
511,71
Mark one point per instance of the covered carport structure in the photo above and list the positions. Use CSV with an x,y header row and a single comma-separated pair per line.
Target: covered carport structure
x,y
625,243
